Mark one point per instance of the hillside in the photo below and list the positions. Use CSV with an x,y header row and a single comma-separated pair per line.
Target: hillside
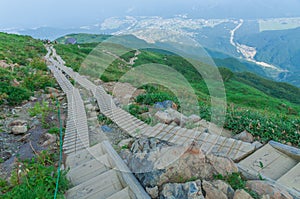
x,y
256,104
83,38
29,123
279,47
22,68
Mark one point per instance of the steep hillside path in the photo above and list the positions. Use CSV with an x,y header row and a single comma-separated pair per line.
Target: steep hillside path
x,y
278,163
210,142
97,171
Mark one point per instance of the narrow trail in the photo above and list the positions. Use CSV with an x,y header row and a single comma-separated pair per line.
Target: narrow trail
x,y
92,168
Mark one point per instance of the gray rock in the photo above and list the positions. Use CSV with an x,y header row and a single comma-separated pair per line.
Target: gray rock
x,y
268,188
89,107
242,194
212,192
178,117
49,139
164,117
33,99
189,190
153,192
18,130
169,115
244,136
224,187
156,163
17,123
93,114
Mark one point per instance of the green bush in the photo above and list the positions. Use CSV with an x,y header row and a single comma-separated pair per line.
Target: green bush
x,y
274,127
152,98
42,110
236,181
38,81
14,95
38,64
136,110
54,130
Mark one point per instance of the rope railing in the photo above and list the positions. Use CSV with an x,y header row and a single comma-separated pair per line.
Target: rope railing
x,y
60,149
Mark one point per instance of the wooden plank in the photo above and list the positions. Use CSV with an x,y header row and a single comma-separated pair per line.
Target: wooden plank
x,y
292,178
103,185
126,174
268,162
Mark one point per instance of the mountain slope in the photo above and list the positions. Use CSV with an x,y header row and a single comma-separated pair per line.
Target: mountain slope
x,y
22,68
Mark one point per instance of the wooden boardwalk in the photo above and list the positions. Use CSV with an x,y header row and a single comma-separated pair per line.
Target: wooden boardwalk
x,y
269,161
95,172
216,144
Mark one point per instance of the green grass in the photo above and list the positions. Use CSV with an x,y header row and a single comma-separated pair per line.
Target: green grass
x,y
267,109
29,72
84,38
236,181
35,178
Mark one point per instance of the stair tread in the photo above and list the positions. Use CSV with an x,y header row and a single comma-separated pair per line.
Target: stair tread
x,y
124,194
101,186
89,170
84,155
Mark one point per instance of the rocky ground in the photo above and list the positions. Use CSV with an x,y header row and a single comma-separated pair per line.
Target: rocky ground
x,y
23,136
169,172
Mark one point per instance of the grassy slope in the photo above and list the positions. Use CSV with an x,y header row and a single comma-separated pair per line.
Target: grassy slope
x,y
30,70
267,109
83,38
244,89
37,177
19,49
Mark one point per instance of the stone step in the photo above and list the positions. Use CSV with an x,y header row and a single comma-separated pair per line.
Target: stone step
x,y
123,194
101,186
88,170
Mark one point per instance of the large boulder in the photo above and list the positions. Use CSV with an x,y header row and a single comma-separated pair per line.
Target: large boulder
x,y
156,162
169,115
242,194
152,191
164,117
224,187
268,188
189,190
212,192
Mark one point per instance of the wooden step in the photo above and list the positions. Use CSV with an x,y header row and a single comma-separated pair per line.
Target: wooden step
x,y
126,175
123,194
84,156
88,170
292,178
101,186
268,162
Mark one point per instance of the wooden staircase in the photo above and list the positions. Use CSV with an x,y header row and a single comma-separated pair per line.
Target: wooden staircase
x,y
98,171
90,168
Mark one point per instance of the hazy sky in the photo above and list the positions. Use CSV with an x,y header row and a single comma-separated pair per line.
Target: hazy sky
x,y
68,13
